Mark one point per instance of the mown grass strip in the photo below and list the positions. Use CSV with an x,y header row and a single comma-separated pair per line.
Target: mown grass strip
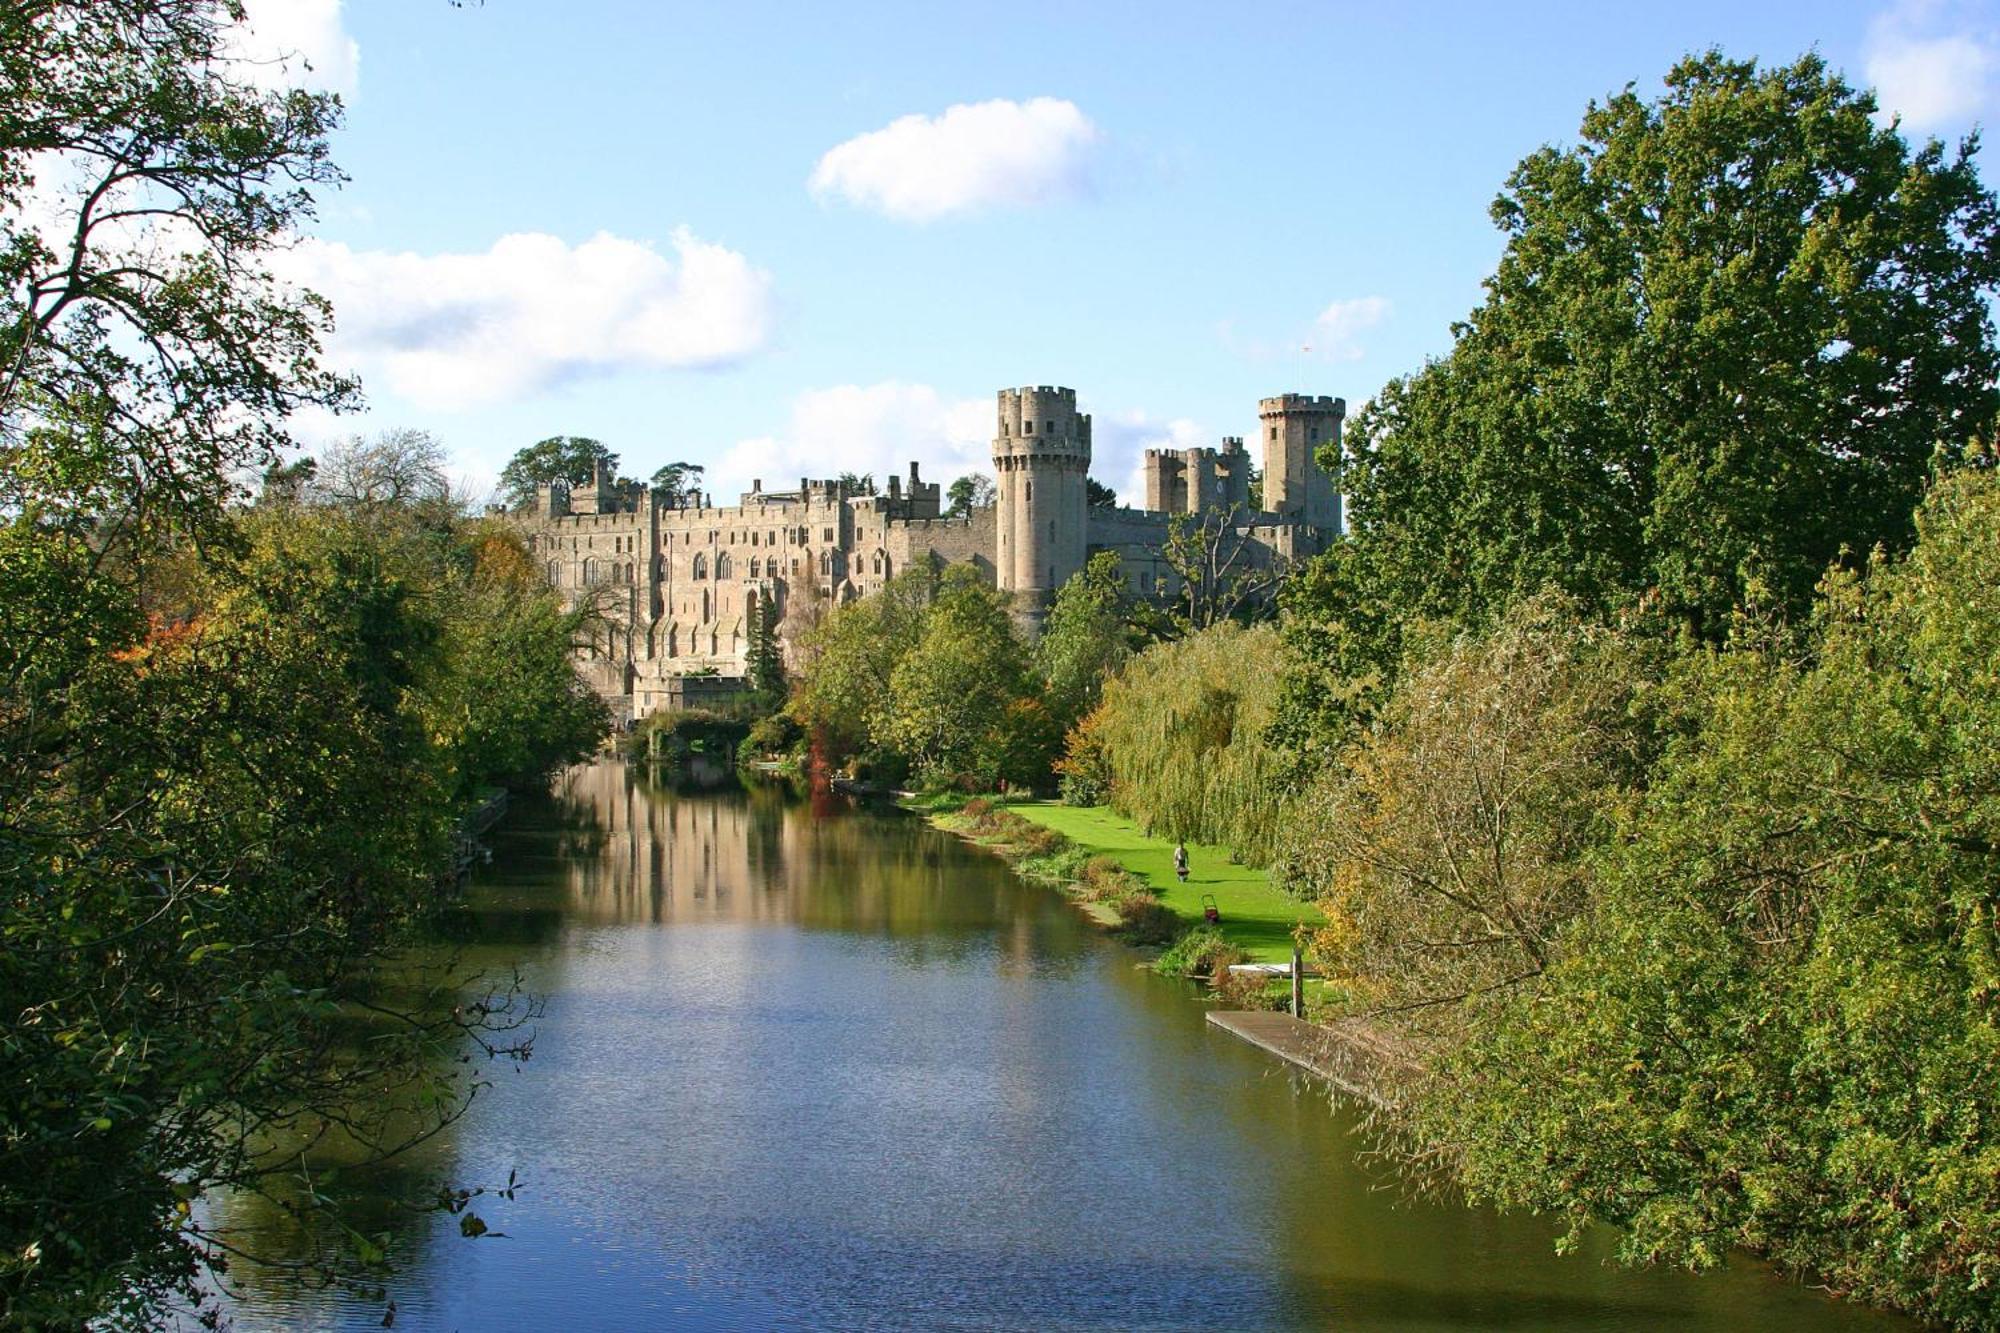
x,y
1256,917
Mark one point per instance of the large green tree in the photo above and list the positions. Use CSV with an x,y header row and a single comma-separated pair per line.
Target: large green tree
x,y
567,458
1733,327
1776,1027
231,747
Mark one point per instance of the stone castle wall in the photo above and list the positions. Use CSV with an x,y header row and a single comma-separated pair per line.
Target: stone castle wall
x,y
675,587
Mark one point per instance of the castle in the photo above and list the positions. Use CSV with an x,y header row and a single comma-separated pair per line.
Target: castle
x,y
677,585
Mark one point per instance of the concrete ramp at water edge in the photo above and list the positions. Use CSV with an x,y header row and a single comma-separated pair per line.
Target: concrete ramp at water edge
x,y
1356,1058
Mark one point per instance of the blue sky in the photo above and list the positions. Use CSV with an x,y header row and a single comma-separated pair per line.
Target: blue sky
x,y
787,239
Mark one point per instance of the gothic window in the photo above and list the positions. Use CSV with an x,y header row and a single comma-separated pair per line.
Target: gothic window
x,y
756,567
700,570
555,574
722,565
589,573
825,562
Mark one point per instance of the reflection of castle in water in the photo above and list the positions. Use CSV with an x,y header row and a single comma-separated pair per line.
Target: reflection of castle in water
x,y
756,855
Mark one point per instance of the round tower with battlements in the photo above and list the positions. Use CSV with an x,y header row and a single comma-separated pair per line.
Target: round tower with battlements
x,y
1296,487
1041,457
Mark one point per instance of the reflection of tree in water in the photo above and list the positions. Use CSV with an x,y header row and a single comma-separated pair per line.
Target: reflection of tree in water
x,y
382,1156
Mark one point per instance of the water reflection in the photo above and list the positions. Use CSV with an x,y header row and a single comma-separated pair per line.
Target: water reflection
x,y
835,1070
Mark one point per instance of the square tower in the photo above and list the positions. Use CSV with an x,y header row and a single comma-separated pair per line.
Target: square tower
x,y
1295,428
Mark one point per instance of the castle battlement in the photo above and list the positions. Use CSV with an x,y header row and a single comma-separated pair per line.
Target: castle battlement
x,y
678,585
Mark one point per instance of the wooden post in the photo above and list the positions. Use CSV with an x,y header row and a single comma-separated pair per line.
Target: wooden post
x,y
1298,982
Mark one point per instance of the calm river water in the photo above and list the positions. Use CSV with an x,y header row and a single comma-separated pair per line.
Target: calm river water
x,y
823,1069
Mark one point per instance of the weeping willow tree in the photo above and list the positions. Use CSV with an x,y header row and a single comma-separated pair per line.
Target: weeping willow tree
x,y
1179,740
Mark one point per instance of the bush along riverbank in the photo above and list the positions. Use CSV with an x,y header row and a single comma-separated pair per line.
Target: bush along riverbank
x,y
1124,880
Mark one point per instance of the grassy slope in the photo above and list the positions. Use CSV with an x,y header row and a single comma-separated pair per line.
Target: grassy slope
x,y
1256,917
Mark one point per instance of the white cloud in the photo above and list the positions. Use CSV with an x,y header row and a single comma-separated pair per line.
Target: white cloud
x,y
878,428
297,44
1929,65
1119,442
973,157
458,330
1338,328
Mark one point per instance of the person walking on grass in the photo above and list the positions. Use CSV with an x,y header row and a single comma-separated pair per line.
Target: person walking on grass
x,y
1180,860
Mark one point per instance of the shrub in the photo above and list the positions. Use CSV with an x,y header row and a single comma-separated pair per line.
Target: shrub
x,y
1039,841
1251,990
976,808
1200,952
1146,919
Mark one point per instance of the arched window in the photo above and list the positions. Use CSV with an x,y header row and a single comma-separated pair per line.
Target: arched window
x,y
722,565
700,570
756,568
826,562
555,575
589,573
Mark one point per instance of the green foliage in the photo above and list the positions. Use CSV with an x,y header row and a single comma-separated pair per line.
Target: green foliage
x,y
1731,331
676,482
568,458
1099,496
972,491
1180,734
929,674
1085,639
1200,951
1449,845
1775,1026
769,684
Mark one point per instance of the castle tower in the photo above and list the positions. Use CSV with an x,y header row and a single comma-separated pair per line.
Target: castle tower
x,y
1295,425
1041,456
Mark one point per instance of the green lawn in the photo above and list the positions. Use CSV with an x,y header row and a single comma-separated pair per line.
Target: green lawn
x,y
1256,917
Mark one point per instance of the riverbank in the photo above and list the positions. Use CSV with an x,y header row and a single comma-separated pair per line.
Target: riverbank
x,y
1256,918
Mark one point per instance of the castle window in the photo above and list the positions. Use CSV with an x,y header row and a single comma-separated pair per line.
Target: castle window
x,y
700,570
722,565
1031,490
1027,428
826,534
1274,432
1052,529
1048,428
756,569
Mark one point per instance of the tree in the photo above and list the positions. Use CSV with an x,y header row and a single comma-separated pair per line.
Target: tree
x,y
1099,496
1086,637
1451,846
953,694
676,482
768,682
146,355
396,469
573,459
1218,572
1732,329
221,770
972,491
1776,1027
857,483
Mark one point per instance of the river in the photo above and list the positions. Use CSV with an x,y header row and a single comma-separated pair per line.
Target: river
x,y
810,1068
